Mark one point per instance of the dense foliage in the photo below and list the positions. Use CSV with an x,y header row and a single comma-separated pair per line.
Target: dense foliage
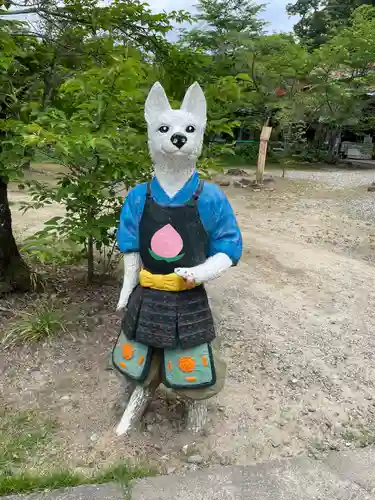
x,y
320,20
73,83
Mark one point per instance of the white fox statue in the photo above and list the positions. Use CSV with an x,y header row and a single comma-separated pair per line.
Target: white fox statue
x,y
177,233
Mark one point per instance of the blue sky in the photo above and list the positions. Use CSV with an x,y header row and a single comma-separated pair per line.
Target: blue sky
x,y
274,13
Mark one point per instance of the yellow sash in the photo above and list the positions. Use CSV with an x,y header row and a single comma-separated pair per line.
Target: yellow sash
x,y
168,282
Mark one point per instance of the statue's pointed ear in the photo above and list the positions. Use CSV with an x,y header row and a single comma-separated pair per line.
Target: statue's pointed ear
x,y
195,103
156,103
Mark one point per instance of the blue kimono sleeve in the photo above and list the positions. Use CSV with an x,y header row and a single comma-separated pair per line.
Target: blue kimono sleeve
x,y
128,230
221,224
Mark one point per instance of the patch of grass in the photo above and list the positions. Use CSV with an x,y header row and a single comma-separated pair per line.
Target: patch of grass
x,y
43,322
23,436
360,437
349,436
121,474
24,482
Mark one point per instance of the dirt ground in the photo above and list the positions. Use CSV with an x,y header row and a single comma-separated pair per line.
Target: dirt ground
x,y
296,326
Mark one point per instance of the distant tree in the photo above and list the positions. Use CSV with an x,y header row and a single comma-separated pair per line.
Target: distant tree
x,y
321,18
223,28
343,77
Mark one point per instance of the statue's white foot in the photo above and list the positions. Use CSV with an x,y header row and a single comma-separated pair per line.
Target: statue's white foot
x,y
135,409
127,390
197,416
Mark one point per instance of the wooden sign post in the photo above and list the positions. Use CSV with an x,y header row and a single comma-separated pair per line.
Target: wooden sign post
x,y
264,138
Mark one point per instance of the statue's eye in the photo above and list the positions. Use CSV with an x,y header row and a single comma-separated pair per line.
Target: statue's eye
x,y
190,129
164,129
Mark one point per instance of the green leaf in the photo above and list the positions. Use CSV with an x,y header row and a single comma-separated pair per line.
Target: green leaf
x,y
166,259
53,222
244,76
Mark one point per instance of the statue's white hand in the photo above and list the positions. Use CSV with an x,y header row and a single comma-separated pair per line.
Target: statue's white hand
x,y
209,270
188,275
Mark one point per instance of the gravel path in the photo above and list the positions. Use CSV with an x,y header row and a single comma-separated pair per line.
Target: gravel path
x,y
297,322
361,206
336,178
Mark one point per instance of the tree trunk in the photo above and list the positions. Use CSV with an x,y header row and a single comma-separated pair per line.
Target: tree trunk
x,y
90,260
319,136
334,145
90,249
14,273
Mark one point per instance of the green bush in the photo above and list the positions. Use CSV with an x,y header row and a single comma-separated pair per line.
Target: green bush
x,y
248,151
100,141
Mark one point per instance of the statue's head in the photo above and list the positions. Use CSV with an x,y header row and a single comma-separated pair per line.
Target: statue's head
x,y
176,133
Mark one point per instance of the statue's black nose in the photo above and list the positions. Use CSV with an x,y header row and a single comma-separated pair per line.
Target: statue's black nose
x,y
178,140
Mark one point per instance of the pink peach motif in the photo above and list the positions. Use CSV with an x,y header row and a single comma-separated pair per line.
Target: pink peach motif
x,y
166,242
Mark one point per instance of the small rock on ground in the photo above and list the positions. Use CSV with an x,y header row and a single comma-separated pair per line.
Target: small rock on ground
x,y
237,172
195,459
